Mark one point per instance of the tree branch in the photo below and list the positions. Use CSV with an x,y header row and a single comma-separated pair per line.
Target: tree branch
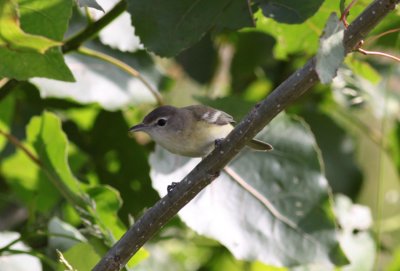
x,y
207,170
92,29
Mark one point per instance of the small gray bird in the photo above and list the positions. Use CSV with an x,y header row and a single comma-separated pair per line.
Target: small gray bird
x,y
190,131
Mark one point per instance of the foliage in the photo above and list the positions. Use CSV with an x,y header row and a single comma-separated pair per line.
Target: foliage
x,y
72,180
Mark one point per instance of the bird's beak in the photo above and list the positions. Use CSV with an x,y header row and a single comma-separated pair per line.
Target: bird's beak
x,y
137,128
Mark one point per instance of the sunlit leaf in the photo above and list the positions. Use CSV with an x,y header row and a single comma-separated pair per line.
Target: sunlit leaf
x,y
31,186
301,38
288,221
48,20
51,144
107,203
331,49
13,37
363,69
81,256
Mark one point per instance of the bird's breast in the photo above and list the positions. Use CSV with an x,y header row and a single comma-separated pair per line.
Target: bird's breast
x,y
196,142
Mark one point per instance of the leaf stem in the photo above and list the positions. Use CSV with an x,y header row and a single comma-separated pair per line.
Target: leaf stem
x,y
365,52
63,189
125,67
91,30
21,146
373,38
343,17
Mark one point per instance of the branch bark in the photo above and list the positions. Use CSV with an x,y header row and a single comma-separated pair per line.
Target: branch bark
x,y
207,170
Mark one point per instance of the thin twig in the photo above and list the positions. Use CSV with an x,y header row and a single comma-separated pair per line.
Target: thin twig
x,y
64,262
373,38
343,17
376,53
74,199
21,146
125,67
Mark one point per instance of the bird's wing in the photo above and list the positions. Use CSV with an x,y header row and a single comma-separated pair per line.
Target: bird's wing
x,y
211,115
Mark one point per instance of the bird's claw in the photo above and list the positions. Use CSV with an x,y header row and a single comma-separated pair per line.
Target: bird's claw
x,y
171,187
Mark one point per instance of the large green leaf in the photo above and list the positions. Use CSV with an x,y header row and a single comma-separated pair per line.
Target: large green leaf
x,y
107,205
289,11
51,145
281,215
13,37
82,256
338,152
301,38
30,185
168,27
47,19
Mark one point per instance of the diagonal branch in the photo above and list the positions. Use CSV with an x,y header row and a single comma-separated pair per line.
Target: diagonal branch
x,y
91,30
207,170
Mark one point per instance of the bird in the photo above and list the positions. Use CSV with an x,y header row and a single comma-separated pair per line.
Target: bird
x,y
190,131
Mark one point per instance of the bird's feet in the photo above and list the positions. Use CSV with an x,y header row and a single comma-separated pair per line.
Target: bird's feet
x,y
218,142
171,187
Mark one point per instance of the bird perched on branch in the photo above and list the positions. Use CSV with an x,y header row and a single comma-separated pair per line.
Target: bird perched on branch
x,y
190,131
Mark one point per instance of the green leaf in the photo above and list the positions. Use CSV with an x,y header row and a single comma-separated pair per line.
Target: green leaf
x,y
289,11
395,263
168,27
14,38
337,150
44,18
363,69
107,203
82,256
253,52
30,185
62,235
51,143
331,49
394,145
301,38
282,216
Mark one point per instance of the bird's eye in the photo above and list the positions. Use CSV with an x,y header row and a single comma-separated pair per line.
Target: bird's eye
x,y
161,122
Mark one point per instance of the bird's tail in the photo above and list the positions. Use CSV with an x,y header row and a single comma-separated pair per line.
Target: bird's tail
x,y
259,145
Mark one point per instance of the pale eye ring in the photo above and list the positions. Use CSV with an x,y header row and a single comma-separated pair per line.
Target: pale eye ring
x,y
161,122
